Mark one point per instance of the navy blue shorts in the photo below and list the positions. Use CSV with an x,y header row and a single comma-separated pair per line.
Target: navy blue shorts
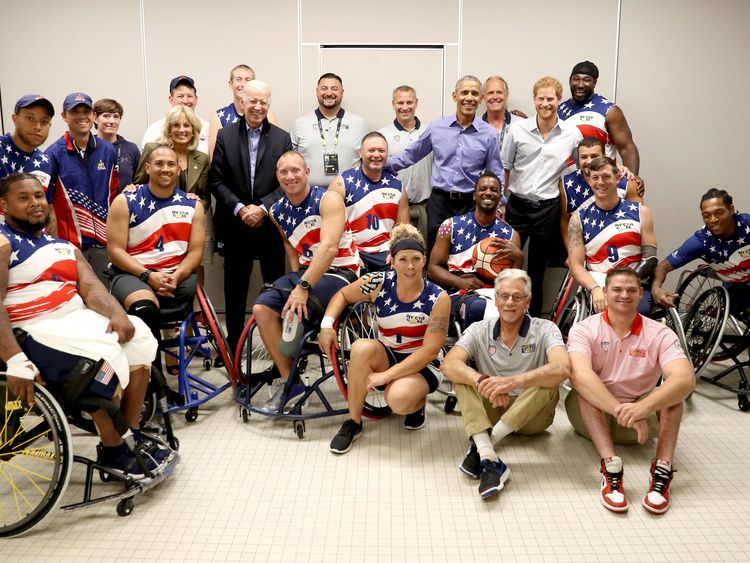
x,y
430,372
374,262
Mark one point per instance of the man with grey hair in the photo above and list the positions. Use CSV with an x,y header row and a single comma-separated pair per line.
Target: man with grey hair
x,y
462,147
520,362
495,91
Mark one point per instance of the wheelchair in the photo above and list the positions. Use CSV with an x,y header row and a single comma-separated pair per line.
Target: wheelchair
x,y
715,331
36,460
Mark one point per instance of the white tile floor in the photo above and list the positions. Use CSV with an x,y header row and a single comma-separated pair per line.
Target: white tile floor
x,y
254,492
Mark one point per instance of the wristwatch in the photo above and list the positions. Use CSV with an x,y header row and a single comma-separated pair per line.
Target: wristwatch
x,y
304,284
144,275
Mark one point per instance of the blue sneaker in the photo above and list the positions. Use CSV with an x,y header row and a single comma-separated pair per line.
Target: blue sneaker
x,y
121,461
492,477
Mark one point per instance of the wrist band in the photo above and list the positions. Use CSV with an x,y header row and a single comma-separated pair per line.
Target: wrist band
x,y
327,322
20,366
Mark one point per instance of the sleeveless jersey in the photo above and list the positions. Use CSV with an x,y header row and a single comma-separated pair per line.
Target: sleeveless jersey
x,y
578,192
159,229
301,225
402,326
590,119
42,276
729,258
465,234
371,208
228,115
612,238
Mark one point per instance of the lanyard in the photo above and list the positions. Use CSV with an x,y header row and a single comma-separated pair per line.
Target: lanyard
x,y
320,116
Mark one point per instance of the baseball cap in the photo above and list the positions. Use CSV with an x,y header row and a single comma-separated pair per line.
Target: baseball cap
x,y
35,100
182,79
77,99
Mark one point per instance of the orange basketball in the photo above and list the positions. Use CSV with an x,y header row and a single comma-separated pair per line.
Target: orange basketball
x,y
487,264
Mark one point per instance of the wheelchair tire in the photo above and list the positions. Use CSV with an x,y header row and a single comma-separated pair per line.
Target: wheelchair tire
x,y
691,287
358,321
567,317
35,470
254,363
217,337
704,326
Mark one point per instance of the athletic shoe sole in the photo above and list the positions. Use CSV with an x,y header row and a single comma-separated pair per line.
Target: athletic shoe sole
x,y
653,509
613,508
354,439
494,490
468,473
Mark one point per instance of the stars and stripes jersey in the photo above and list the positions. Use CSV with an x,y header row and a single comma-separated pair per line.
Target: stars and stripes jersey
x,y
402,326
42,276
159,228
578,192
228,115
301,225
465,234
13,159
371,208
612,238
729,258
81,189
590,119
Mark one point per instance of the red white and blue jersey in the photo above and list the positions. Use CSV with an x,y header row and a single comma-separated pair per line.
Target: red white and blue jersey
x,y
578,192
590,119
159,228
301,225
729,258
81,189
371,208
42,276
612,238
465,234
228,115
13,159
402,326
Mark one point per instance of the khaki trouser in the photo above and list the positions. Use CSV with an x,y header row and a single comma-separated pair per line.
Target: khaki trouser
x,y
620,434
418,216
530,413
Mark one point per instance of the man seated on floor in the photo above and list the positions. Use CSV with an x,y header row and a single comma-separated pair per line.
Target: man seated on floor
x,y
452,260
155,242
520,363
617,359
375,202
610,233
48,290
322,256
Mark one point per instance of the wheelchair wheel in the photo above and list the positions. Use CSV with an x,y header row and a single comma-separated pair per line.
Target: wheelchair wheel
x,y
563,297
35,459
734,341
358,321
692,286
567,317
704,326
254,362
216,333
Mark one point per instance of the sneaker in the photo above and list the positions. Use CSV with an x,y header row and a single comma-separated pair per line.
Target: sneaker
x,y
471,466
492,479
277,400
342,442
613,494
416,420
656,500
152,446
120,460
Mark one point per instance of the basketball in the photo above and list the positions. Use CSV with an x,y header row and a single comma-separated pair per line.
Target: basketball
x,y
487,264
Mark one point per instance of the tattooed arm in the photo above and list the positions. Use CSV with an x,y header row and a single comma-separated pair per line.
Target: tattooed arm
x,y
577,263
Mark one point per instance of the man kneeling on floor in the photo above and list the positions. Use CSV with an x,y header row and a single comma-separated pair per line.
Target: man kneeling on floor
x,y
521,362
48,290
617,359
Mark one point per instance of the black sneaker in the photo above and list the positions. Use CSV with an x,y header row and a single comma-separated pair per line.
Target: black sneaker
x,y
120,460
416,420
471,466
342,442
152,446
493,476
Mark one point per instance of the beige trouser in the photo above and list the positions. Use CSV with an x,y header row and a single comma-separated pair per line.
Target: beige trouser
x,y
529,413
620,434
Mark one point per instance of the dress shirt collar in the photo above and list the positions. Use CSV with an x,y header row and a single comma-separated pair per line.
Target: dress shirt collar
x,y
522,332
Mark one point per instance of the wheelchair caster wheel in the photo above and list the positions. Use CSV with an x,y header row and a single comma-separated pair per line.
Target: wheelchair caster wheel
x,y
245,414
191,415
450,404
125,507
207,364
299,428
743,403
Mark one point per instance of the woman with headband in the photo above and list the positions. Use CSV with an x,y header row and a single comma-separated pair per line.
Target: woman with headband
x,y
412,314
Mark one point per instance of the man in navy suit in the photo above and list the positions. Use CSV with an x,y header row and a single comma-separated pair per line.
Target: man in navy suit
x,y
243,180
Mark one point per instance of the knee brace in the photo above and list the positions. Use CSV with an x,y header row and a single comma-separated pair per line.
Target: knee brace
x,y
148,312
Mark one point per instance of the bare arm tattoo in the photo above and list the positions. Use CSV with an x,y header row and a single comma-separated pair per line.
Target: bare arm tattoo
x,y
574,232
438,325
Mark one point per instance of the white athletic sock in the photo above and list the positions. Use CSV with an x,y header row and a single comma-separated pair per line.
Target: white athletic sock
x,y
500,431
484,446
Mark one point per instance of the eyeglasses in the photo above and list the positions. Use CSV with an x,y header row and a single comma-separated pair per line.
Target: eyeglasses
x,y
515,297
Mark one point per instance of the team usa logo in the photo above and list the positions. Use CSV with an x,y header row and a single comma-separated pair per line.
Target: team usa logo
x,y
100,165
605,345
414,319
637,353
310,223
528,348
491,349
177,214
624,226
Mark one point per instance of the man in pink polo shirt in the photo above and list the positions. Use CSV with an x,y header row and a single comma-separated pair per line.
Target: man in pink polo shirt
x,y
617,358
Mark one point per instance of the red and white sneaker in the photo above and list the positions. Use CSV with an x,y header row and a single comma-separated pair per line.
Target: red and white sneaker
x,y
613,494
656,500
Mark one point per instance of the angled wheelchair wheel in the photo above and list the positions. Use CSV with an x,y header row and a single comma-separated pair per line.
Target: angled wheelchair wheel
x,y
564,295
691,286
358,321
35,459
734,341
216,335
253,362
567,317
704,326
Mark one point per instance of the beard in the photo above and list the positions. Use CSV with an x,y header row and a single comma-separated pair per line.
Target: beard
x,y
29,227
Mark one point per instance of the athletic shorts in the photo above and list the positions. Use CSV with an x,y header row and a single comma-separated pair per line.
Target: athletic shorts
x,y
374,262
121,285
431,372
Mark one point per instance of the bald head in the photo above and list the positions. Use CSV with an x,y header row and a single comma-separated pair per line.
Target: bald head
x,y
256,100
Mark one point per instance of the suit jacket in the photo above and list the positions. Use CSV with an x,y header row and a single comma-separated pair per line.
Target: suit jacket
x,y
229,178
197,172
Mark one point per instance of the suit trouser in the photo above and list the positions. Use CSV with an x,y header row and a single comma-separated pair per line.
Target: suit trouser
x,y
440,206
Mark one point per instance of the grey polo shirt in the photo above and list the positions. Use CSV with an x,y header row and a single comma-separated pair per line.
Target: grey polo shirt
x,y
493,357
416,179
306,141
